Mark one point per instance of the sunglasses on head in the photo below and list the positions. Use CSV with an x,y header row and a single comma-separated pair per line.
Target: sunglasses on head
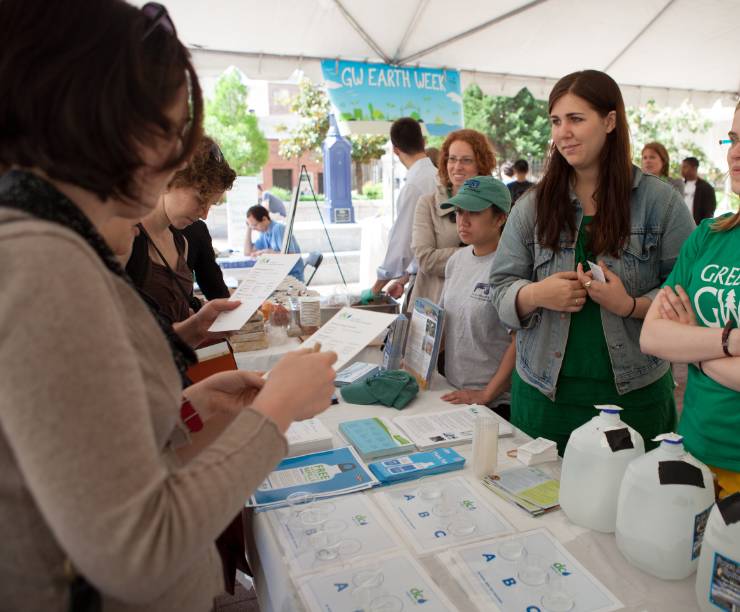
x,y
159,17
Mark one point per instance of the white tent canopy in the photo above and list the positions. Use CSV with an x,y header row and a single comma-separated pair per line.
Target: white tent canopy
x,y
668,50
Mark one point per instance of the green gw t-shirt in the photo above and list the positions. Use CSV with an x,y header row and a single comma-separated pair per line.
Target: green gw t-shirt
x,y
708,269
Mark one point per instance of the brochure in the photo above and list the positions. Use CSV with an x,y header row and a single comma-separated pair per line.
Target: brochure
x,y
503,579
394,343
417,465
308,436
357,372
398,583
439,513
445,428
348,332
375,437
424,338
261,281
527,487
325,474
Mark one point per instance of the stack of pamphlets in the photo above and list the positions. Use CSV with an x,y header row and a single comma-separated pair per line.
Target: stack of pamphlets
x,y
355,373
540,450
529,488
445,428
394,344
417,465
308,436
326,474
423,340
375,437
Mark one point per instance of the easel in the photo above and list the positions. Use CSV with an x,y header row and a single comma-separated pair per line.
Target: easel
x,y
294,208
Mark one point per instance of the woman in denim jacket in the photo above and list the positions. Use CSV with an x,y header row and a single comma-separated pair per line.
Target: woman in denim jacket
x,y
578,337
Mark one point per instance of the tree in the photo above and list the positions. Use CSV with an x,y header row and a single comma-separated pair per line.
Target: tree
x,y
365,148
312,105
674,128
229,122
518,126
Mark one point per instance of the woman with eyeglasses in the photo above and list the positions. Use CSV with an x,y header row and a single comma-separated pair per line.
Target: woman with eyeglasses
x,y
580,260
464,154
115,482
694,320
158,264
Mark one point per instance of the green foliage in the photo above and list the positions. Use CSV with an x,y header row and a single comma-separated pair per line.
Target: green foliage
x,y
373,191
518,126
229,122
281,193
675,129
312,105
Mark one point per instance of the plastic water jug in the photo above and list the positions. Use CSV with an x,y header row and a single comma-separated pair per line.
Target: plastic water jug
x,y
664,503
718,574
594,462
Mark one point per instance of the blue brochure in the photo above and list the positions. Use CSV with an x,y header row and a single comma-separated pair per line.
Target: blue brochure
x,y
417,465
324,474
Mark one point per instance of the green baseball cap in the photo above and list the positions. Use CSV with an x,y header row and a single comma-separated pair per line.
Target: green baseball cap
x,y
390,387
479,193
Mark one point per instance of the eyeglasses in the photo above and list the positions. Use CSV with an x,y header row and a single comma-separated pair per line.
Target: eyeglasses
x,y
159,16
215,153
463,161
732,140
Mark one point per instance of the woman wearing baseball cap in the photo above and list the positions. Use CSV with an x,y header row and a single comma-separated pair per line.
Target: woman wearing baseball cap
x,y
479,354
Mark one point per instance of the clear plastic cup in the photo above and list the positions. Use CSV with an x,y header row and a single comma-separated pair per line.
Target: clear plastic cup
x,y
428,489
462,526
297,502
316,513
558,595
512,550
533,570
325,541
446,506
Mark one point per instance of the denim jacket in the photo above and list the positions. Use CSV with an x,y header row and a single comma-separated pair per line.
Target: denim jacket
x,y
660,221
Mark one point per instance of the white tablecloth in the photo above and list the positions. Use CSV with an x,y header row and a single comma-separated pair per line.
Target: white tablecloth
x,y
596,551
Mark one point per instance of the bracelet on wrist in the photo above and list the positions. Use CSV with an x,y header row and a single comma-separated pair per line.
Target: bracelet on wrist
x,y
190,416
632,310
726,338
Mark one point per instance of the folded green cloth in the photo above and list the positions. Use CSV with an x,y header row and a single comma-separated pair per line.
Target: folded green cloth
x,y
390,387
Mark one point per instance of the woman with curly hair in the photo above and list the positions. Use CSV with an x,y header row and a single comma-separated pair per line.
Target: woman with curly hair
x,y
464,154
158,262
655,160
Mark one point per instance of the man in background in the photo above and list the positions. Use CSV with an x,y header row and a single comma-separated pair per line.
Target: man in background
x,y
271,202
421,179
271,238
520,184
698,194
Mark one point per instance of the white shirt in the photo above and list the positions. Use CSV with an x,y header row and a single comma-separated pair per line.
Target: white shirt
x,y
421,179
689,189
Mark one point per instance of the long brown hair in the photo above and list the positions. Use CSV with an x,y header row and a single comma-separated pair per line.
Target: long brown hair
x,y
485,159
555,213
733,221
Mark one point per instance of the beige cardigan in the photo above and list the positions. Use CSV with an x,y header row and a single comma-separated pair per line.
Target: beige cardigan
x,y
434,240
90,397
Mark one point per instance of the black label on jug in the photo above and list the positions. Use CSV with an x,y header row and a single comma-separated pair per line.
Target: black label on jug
x,y
619,439
680,473
729,508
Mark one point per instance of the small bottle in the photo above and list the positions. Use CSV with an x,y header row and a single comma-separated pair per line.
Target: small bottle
x,y
485,445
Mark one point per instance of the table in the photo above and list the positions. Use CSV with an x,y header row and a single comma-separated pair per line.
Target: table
x,y
596,551
264,359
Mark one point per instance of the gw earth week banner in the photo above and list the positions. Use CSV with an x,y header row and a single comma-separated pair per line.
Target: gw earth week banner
x,y
365,93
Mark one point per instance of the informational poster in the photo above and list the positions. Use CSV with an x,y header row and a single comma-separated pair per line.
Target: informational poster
x,y
531,571
393,583
367,95
365,533
261,281
349,331
439,513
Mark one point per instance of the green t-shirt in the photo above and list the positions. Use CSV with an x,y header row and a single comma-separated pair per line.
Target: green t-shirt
x,y
708,269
